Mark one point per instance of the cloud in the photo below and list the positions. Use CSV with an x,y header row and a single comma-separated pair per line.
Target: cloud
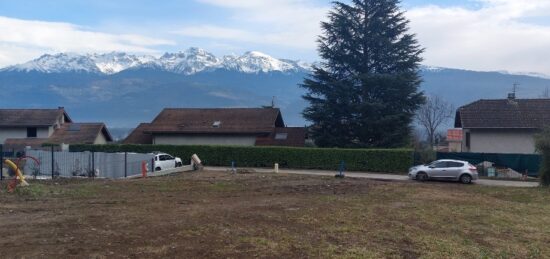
x,y
497,36
287,23
216,32
21,40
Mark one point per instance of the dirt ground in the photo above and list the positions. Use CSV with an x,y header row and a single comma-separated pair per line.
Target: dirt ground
x,y
215,215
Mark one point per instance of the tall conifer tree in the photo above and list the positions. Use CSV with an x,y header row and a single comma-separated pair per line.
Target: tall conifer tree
x,y
366,90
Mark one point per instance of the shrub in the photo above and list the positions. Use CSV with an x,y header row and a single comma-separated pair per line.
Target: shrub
x,y
374,160
424,156
542,143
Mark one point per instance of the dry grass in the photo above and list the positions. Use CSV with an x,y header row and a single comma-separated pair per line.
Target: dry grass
x,y
266,215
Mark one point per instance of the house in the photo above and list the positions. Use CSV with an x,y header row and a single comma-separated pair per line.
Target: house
x,y
454,140
20,128
221,126
503,125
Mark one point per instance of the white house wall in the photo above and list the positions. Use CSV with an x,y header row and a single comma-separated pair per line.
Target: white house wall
x,y
500,141
204,140
42,132
6,133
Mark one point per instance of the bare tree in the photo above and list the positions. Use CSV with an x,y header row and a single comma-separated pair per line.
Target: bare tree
x,y
434,113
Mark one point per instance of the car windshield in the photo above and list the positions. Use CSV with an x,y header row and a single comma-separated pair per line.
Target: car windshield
x,y
432,163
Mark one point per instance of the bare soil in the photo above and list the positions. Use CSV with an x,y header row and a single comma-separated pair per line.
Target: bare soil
x,y
215,214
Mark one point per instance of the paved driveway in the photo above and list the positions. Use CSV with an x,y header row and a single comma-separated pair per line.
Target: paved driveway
x,y
392,177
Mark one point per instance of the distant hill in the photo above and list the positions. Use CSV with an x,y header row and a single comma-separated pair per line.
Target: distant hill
x,y
123,90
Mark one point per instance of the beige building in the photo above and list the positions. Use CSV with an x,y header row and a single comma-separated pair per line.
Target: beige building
x,y
20,128
505,126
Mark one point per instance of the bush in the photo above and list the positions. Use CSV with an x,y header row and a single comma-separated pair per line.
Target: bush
x,y
424,156
542,143
373,160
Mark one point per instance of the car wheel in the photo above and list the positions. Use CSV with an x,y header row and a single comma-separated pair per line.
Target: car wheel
x,y
158,169
465,179
179,164
422,177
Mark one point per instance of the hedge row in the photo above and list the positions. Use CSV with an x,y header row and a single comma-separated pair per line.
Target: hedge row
x,y
373,160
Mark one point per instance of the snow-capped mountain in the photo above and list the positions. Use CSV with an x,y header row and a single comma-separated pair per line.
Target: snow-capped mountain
x,y
189,62
58,63
254,62
114,62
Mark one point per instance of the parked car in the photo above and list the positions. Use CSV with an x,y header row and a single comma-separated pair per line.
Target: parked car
x,y
165,161
453,170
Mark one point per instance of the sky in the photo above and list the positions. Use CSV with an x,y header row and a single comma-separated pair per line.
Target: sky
x,y
485,35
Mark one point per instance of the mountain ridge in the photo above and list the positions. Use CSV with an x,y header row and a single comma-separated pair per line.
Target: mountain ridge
x,y
191,61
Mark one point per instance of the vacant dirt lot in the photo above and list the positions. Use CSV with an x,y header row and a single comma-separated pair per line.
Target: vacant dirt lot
x,y
211,214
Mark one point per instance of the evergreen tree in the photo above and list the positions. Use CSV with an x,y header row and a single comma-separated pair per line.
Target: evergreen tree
x,y
365,92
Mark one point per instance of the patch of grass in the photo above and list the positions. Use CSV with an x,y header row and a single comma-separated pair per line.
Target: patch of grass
x,y
32,191
42,190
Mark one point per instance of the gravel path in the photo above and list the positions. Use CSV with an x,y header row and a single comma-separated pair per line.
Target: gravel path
x,y
377,176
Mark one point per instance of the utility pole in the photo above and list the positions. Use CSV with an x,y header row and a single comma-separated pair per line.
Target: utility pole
x,y
546,93
515,88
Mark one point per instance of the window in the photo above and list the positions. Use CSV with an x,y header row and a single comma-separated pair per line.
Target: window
x,y
281,136
31,132
467,139
165,158
455,164
440,165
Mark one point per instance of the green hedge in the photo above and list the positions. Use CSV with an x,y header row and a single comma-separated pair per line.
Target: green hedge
x,y
373,160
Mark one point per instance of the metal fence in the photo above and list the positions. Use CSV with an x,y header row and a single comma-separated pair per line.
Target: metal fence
x,y
522,163
52,164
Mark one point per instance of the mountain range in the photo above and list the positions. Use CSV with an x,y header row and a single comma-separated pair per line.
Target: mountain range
x,y
189,62
123,89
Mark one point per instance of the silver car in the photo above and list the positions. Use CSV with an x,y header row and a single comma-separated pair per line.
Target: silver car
x,y
453,170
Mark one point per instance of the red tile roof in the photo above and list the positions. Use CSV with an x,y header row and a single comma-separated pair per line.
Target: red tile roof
x,y
454,135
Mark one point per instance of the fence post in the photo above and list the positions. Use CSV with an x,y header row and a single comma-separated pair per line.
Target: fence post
x,y
93,164
125,164
152,165
1,162
53,163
